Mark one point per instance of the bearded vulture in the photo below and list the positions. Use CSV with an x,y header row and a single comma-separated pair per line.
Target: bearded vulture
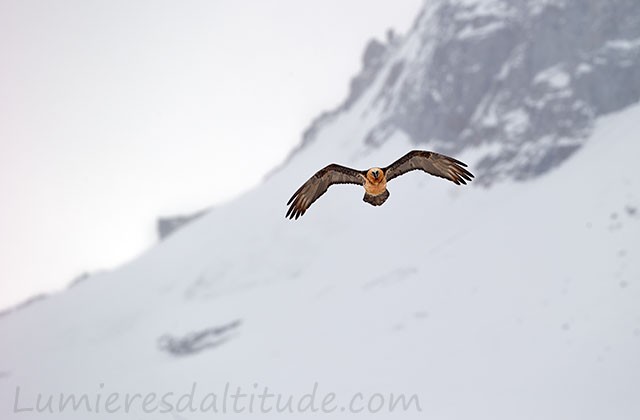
x,y
375,179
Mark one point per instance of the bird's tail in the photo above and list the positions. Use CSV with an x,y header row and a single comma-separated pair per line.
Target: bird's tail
x,y
376,200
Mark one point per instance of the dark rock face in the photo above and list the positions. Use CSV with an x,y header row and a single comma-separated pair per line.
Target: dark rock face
x,y
165,226
198,341
522,80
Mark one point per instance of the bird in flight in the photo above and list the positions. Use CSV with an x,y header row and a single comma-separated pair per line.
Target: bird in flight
x,y
375,179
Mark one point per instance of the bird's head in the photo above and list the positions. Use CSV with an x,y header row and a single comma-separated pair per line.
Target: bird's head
x,y
375,175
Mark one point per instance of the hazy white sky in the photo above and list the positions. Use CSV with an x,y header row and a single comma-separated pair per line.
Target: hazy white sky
x,y
114,112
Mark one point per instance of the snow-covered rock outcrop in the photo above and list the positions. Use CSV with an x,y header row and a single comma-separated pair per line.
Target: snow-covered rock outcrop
x,y
521,81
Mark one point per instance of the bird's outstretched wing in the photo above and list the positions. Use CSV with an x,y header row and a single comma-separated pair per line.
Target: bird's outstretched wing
x,y
431,163
318,185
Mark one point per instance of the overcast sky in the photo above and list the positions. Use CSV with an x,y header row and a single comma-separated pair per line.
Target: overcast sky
x,y
115,112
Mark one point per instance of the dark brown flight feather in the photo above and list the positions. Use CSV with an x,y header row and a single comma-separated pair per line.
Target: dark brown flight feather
x,y
432,163
318,184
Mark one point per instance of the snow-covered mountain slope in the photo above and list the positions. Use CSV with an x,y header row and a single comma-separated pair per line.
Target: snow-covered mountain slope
x,y
514,301
519,301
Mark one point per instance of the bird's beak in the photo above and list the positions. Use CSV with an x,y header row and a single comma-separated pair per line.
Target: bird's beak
x,y
375,174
